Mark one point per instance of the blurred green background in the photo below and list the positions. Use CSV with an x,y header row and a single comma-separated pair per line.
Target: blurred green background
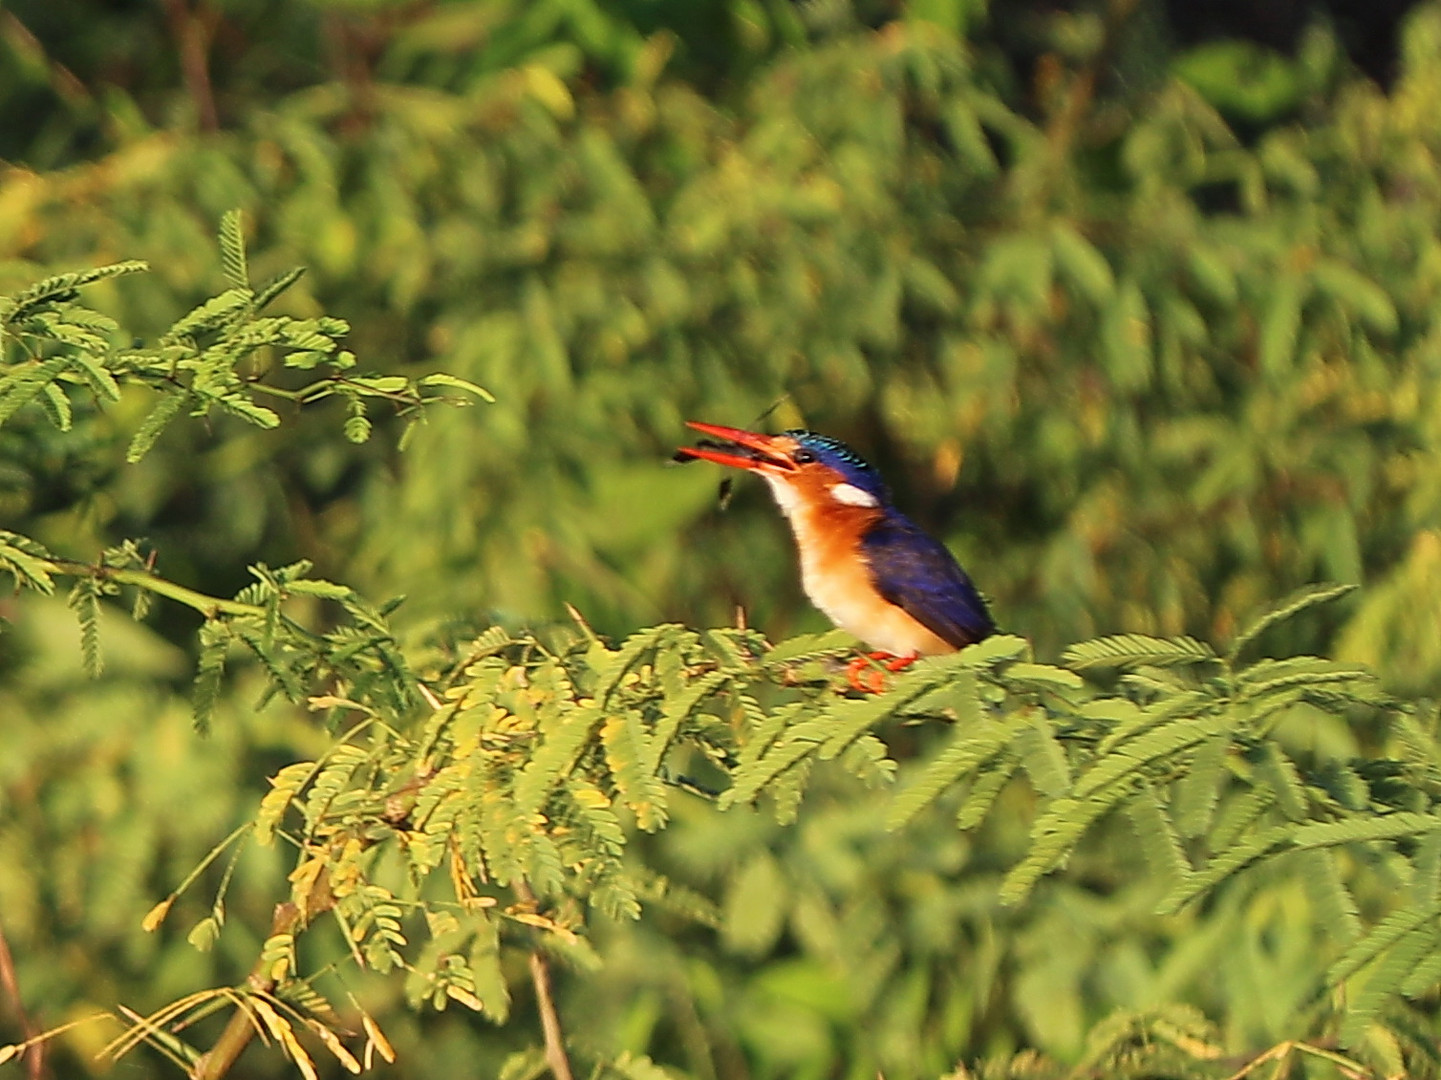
x,y
1137,309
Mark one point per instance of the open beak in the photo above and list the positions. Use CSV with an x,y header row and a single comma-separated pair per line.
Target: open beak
x,y
738,448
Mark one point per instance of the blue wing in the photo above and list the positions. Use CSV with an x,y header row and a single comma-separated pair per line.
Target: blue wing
x,y
923,579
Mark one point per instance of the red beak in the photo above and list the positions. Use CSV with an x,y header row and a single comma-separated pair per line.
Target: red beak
x,y
741,449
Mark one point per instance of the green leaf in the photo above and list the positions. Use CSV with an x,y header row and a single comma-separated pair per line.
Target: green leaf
x,y
811,647
1017,268
1426,869
850,719
1275,769
1335,906
1126,344
1241,77
1424,977
165,410
277,285
61,287
455,382
1212,275
591,809
485,965
284,786
1269,676
232,250
225,310
378,385
57,405
1043,758
676,711
627,751
1297,602
84,600
630,1066
1084,266
203,935
631,650
793,743
1355,292
1384,935
1281,326
102,383
1054,836
1044,675
1377,989
1228,862
1135,650
27,562
973,743
21,385
1198,789
316,587
992,778
1396,826
1157,837
755,906
209,669
238,404
987,653
557,753
357,424
1130,759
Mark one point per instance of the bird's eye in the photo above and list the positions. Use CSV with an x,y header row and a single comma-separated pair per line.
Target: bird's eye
x,y
803,457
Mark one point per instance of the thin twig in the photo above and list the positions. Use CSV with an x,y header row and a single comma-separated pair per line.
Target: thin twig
x,y
1065,125
35,1052
240,1028
555,1055
549,1018
63,81
192,37
206,605
288,919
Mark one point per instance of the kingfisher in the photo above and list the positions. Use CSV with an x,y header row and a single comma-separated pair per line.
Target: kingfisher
x,y
868,567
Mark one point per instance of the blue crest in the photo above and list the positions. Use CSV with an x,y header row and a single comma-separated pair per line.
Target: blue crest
x,y
837,455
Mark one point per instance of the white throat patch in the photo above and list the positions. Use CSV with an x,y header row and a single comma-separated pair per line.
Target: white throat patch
x,y
785,495
852,495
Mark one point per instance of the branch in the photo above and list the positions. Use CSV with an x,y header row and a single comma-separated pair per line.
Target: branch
x,y
288,919
549,1018
1065,125
555,1055
216,1061
143,579
35,1052
63,81
192,37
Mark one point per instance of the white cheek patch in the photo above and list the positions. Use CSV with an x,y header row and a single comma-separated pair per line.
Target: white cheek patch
x,y
852,495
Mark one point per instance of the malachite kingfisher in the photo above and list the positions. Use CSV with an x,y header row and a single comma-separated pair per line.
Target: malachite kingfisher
x,y
868,567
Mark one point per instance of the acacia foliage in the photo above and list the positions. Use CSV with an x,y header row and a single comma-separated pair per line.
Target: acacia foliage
x,y
1144,373
488,794
1176,372
538,763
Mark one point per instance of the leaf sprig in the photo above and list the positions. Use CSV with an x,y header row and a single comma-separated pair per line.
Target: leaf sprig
x,y
223,356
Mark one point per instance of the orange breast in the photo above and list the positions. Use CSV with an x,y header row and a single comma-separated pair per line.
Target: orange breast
x,y
837,580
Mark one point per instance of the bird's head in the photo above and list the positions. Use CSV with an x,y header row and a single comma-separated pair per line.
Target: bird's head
x,y
802,468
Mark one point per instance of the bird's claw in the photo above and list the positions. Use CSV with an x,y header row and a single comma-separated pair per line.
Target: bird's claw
x,y
866,678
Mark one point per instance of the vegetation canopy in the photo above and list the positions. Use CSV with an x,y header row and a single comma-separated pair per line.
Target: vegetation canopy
x,y
1154,353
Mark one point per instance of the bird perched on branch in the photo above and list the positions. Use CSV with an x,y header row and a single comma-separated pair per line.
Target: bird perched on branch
x,y
867,566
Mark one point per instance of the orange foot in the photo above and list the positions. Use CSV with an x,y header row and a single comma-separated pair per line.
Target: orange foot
x,y
871,680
